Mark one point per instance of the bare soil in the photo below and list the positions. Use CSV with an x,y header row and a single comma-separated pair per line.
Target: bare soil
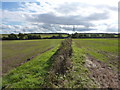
x,y
103,75
61,64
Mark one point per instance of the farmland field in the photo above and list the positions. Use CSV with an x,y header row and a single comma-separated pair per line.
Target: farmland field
x,y
18,51
31,74
92,63
105,50
98,58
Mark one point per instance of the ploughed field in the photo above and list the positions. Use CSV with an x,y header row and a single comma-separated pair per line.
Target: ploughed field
x,y
17,52
55,63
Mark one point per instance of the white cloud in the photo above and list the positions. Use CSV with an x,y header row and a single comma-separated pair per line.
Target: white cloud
x,y
93,16
12,16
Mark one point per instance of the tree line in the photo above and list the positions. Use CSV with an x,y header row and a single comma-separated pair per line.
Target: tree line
x,y
22,36
94,35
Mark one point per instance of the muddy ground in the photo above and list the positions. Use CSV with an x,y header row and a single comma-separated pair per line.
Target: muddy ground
x,y
103,75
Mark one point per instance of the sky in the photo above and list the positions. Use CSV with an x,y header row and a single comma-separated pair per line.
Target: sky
x,y
59,16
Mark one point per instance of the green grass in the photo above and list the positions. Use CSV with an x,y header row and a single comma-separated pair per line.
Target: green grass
x,y
31,74
16,52
78,76
105,50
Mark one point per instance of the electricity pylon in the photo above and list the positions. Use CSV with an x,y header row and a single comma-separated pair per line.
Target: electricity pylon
x,y
73,29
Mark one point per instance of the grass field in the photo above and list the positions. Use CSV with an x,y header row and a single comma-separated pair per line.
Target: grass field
x,y
105,50
17,51
93,63
96,63
31,74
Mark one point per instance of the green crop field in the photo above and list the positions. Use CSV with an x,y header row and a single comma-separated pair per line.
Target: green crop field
x,y
87,63
105,50
96,63
18,51
31,74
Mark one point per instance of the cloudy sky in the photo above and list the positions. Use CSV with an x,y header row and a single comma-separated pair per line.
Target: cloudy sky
x,y
52,16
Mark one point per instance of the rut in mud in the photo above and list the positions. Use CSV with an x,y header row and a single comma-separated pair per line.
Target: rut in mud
x,y
103,75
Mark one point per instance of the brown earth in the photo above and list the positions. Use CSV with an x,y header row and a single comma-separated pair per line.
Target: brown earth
x,y
61,64
19,64
103,75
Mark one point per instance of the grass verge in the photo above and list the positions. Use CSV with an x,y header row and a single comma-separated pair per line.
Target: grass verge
x,y
78,76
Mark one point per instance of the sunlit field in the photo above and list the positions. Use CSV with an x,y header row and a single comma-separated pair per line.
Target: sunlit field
x,y
17,52
57,63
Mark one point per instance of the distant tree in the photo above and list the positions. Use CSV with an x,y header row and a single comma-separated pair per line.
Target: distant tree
x,y
93,35
39,37
118,35
75,35
103,35
112,35
107,35
69,35
80,35
4,38
35,37
12,36
29,36
60,35
98,35
21,36
84,35
25,37
53,37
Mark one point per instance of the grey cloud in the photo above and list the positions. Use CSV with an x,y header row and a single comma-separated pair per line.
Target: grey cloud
x,y
72,7
51,27
98,16
112,29
50,18
107,7
67,7
78,29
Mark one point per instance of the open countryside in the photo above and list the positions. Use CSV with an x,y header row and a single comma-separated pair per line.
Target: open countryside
x,y
61,63
60,44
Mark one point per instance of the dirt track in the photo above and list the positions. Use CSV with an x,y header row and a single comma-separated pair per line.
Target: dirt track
x,y
103,75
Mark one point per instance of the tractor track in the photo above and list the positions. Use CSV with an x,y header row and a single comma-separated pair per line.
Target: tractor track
x,y
103,75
